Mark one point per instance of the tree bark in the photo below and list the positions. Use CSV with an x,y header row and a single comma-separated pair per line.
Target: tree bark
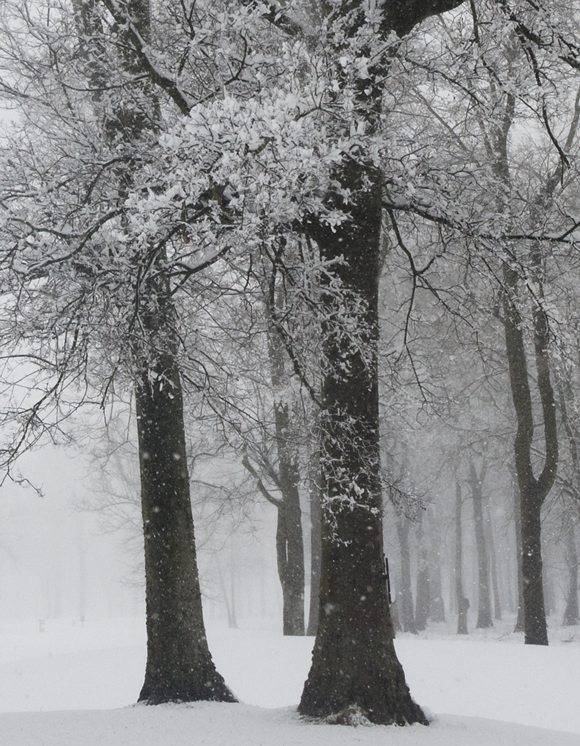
x,y
355,670
179,665
520,623
484,619
423,597
405,592
354,664
437,606
462,601
533,491
289,536
571,612
315,541
493,566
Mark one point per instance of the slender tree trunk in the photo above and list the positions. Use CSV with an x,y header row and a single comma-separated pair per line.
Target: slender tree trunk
x,y
484,619
571,612
315,541
462,601
289,536
230,611
437,608
179,664
520,623
290,568
533,491
233,579
405,592
423,598
494,568
290,515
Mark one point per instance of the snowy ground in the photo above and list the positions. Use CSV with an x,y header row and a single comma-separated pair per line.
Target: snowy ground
x,y
73,684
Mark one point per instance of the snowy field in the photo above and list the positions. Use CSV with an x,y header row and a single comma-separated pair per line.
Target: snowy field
x,y
73,685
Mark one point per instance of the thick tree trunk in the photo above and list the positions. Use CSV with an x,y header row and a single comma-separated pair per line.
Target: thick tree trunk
x,y
355,670
354,664
484,619
179,664
462,602
405,592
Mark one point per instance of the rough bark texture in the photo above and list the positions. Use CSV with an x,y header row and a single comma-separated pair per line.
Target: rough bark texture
x,y
289,537
462,601
354,664
484,619
179,664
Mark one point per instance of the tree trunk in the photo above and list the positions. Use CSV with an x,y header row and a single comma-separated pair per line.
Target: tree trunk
x,y
355,670
290,567
532,491
423,598
354,664
520,623
437,608
494,568
571,612
462,602
484,619
405,592
315,541
179,664
230,607
289,536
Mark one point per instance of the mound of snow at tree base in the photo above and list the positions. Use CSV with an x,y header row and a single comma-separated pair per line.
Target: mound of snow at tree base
x,y
211,724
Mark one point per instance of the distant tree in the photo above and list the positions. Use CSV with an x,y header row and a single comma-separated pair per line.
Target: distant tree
x,y
462,601
476,480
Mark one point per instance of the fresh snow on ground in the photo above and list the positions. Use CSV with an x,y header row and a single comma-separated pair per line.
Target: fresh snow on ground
x,y
74,685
